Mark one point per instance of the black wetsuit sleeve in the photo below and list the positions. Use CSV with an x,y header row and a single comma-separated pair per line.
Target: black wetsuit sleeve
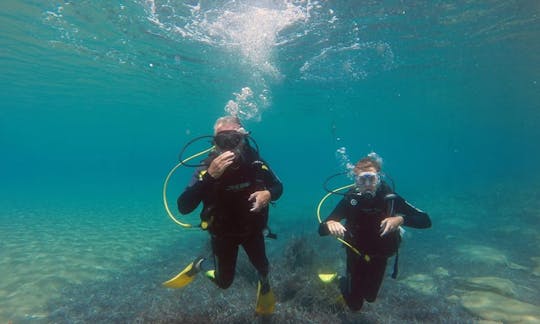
x,y
195,191
270,180
412,216
336,215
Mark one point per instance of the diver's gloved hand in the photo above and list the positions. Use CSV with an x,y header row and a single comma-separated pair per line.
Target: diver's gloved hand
x,y
391,224
220,164
259,199
336,228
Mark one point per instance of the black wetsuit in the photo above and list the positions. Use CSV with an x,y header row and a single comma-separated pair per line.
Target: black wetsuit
x,y
363,216
226,210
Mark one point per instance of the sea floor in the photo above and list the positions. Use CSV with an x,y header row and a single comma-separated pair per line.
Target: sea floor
x,y
103,261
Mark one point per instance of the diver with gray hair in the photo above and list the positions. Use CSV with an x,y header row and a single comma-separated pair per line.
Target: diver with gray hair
x,y
235,187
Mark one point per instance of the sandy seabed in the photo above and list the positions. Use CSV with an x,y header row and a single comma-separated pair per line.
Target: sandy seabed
x,y
105,263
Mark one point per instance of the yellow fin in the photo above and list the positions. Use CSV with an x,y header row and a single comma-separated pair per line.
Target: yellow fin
x,y
210,274
327,277
265,302
182,279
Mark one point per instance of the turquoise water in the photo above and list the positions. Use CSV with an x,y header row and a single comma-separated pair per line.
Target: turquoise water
x,y
99,98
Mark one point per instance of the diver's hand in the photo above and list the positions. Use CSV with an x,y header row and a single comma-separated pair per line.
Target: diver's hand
x,y
259,199
220,164
336,228
391,224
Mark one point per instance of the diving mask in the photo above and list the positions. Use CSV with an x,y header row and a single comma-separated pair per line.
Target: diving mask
x,y
228,140
368,182
231,140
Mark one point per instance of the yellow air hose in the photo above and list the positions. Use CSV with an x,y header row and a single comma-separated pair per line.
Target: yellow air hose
x,y
320,221
186,225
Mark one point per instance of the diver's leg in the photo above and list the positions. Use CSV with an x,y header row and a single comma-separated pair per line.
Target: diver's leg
x,y
373,278
256,252
351,284
225,254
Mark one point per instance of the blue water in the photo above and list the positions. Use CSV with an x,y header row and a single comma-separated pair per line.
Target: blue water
x,y
98,99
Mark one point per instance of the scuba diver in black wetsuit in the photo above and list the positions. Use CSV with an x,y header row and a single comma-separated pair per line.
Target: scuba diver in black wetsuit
x,y
235,186
373,214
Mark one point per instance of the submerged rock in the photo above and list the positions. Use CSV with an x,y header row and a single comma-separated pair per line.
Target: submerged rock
x,y
487,256
441,272
495,307
515,266
421,283
483,254
493,284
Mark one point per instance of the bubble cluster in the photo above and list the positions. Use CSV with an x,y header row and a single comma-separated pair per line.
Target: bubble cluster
x,y
246,105
344,161
249,32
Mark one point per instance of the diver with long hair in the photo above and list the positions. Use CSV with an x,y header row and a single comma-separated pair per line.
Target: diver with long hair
x,y
373,214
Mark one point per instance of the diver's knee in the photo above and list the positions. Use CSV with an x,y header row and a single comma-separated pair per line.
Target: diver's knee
x,y
355,305
371,296
224,283
371,299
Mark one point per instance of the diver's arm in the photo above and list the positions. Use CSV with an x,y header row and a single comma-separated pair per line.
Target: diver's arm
x,y
412,216
259,200
220,163
391,224
276,189
194,193
332,224
336,228
271,189
271,181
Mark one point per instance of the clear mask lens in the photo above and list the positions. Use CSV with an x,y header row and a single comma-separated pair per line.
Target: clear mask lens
x,y
367,180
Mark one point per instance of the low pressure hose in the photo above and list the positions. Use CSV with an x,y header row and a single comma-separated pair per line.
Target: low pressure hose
x,y
165,184
319,215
